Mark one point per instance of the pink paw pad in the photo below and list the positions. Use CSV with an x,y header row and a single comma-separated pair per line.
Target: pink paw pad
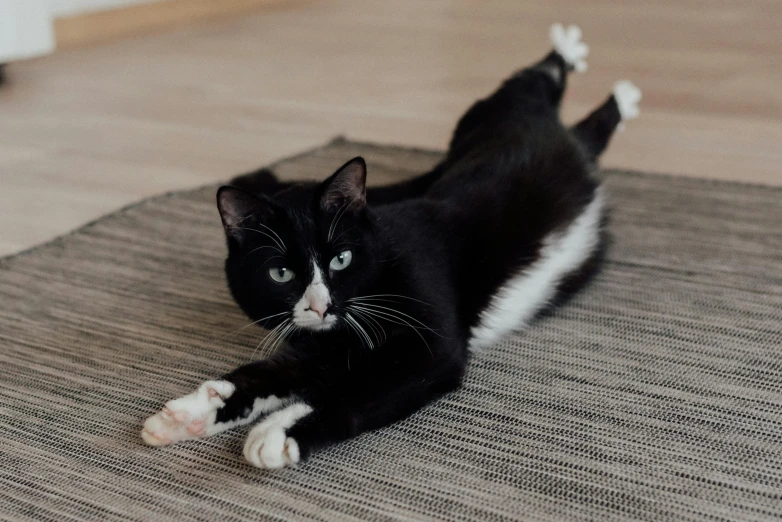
x,y
187,417
196,427
181,416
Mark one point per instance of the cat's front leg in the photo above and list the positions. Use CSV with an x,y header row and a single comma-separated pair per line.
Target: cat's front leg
x,y
373,399
271,444
238,398
188,417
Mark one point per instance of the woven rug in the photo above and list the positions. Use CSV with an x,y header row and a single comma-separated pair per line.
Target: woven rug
x,y
654,394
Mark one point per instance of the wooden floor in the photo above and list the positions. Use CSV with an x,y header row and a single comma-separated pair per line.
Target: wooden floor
x,y
86,131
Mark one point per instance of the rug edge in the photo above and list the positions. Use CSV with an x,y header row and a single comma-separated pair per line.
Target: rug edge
x,y
336,140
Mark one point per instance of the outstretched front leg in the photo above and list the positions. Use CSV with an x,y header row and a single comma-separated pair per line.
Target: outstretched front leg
x,y
372,395
311,404
236,399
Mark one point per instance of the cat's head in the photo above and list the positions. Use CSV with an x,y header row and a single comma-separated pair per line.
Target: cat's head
x,y
297,257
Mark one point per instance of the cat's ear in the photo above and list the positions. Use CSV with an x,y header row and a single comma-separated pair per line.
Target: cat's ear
x,y
239,208
346,187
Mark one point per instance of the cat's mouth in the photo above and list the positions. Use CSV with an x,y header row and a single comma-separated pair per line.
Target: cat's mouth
x,y
310,320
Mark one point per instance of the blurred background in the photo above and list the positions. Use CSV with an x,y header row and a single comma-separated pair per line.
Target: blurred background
x,y
105,102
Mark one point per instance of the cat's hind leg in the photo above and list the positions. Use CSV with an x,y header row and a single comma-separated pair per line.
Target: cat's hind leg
x,y
569,54
595,131
527,94
568,44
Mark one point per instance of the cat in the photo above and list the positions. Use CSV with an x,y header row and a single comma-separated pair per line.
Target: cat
x,y
376,297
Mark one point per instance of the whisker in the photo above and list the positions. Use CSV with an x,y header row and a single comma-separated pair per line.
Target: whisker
x,y
386,317
260,248
411,326
263,340
371,344
268,337
332,226
339,215
353,328
249,325
264,263
359,316
375,326
360,329
374,306
280,245
272,335
343,233
281,338
365,297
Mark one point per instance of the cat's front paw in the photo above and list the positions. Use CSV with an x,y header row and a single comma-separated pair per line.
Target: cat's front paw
x,y
268,446
188,417
567,42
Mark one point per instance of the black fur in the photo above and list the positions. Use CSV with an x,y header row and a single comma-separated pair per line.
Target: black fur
x,y
435,248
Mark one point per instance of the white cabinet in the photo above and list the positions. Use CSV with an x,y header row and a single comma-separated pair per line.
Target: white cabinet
x,y
25,29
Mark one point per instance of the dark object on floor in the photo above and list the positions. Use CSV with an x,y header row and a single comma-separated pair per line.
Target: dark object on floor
x,y
653,394
2,74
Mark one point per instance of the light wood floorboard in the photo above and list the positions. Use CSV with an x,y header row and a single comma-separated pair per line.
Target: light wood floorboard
x,y
86,131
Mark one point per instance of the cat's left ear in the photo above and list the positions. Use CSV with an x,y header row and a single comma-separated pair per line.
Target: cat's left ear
x,y
346,187
237,206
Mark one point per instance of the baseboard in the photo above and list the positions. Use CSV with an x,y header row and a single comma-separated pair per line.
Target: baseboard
x,y
90,28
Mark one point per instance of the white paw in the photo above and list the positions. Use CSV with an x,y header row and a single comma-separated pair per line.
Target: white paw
x,y
268,445
627,97
188,417
567,42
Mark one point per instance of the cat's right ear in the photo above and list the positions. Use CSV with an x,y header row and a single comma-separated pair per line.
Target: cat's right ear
x,y
238,209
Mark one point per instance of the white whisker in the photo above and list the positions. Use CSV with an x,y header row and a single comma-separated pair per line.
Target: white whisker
x,y
280,245
403,322
269,336
377,297
375,326
353,328
261,248
281,242
336,218
393,310
360,329
249,325
281,338
343,233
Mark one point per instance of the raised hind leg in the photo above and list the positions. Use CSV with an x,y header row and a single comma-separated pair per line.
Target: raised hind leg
x,y
530,93
549,76
595,131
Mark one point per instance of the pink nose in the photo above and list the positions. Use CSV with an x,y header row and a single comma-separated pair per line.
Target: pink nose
x,y
318,307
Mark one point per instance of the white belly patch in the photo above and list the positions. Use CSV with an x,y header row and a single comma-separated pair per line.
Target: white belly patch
x,y
523,295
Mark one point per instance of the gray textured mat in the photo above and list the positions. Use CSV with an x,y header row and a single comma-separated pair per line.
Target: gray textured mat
x,y
656,393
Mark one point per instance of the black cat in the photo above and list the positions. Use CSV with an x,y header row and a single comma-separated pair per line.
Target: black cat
x,y
375,297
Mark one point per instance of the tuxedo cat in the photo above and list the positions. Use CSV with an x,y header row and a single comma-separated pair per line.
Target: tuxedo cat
x,y
375,297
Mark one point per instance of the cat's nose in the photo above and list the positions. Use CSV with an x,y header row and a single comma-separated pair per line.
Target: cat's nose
x,y
317,298
319,308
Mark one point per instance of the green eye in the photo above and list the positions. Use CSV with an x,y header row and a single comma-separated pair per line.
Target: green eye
x,y
281,275
341,260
